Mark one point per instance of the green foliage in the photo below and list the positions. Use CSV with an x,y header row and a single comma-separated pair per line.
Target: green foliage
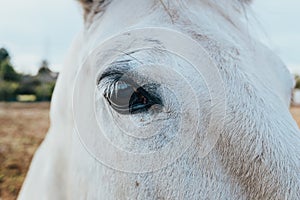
x,y
3,55
8,91
26,89
297,82
13,84
44,67
44,91
29,86
7,72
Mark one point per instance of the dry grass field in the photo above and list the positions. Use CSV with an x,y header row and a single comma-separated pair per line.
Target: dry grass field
x,y
22,128
296,114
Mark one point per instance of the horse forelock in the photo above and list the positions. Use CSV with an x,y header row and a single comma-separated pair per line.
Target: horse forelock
x,y
94,7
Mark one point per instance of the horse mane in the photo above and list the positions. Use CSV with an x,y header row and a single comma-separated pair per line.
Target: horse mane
x,y
93,7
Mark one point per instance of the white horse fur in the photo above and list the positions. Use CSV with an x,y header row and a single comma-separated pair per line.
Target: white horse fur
x,y
258,153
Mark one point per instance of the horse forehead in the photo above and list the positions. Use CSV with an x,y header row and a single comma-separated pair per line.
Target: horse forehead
x,y
204,29
92,8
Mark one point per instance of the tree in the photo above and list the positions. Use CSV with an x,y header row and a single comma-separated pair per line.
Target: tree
x,y
298,84
4,55
44,91
44,67
28,86
7,72
8,91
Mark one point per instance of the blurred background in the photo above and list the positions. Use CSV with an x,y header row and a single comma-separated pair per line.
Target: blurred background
x,y
34,39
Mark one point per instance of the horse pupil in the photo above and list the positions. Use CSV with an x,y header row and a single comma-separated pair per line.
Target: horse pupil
x,y
122,94
125,99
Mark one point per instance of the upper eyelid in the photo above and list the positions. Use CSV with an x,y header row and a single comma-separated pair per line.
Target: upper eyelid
x,y
125,68
118,68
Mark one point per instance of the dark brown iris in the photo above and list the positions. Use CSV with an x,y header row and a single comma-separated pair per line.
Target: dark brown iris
x,y
128,99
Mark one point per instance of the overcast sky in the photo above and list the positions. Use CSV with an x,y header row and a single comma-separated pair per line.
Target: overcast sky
x,y
33,30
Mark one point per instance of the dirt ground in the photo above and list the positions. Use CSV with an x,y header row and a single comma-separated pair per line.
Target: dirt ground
x,y
296,114
22,128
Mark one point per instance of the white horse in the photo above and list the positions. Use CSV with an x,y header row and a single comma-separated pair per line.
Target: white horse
x,y
195,109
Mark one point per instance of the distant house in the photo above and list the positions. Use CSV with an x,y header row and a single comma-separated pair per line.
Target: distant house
x,y
38,87
45,75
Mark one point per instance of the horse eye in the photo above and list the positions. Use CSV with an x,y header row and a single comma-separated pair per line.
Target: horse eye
x,y
126,98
